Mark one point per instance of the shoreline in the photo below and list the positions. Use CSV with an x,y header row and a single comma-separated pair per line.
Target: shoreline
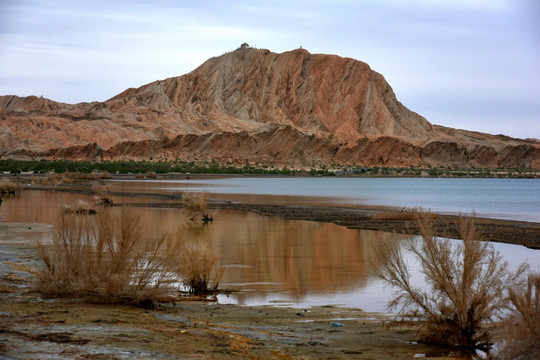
x,y
33,327
378,218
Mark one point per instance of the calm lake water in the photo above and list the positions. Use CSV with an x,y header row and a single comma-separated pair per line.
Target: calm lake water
x,y
515,199
273,261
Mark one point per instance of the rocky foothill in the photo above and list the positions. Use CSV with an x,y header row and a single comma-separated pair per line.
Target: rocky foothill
x,y
252,106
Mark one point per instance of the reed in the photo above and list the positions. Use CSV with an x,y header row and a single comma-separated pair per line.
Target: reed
x,y
80,207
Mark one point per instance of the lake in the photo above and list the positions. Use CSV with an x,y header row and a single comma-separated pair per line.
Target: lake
x,y
286,262
513,199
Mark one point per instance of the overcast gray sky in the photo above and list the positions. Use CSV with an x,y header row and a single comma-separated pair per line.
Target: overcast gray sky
x,y
470,64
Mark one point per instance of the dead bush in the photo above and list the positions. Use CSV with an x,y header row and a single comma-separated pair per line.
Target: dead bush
x,y
522,327
80,207
103,195
10,187
467,284
195,207
103,257
192,258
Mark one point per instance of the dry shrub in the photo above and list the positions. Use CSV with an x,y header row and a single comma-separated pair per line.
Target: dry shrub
x,y
103,195
10,187
80,207
192,258
67,178
54,179
50,179
105,175
103,257
522,327
467,285
195,207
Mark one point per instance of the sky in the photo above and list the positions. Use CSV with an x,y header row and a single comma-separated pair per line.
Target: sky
x,y
468,64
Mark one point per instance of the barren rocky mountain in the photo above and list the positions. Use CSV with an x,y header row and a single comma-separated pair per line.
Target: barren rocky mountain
x,y
291,109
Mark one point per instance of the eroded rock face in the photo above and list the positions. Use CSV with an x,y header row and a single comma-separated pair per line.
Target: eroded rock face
x,y
295,109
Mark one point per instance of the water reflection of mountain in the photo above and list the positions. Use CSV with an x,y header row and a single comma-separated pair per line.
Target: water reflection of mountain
x,y
267,253
259,253
294,256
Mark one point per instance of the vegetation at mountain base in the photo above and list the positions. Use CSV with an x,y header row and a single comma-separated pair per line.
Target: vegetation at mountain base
x,y
87,169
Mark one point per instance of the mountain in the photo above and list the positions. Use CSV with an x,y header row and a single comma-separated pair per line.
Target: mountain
x,y
254,106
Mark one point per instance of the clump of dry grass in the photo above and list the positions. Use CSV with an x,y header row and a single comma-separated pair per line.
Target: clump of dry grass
x,y
10,187
54,179
192,258
105,175
103,257
467,282
103,195
522,327
80,207
195,207
49,179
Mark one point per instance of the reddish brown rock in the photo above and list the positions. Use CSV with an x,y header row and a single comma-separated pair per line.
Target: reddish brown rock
x,y
295,109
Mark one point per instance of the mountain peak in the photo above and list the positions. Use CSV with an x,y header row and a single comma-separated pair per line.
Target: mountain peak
x,y
291,108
